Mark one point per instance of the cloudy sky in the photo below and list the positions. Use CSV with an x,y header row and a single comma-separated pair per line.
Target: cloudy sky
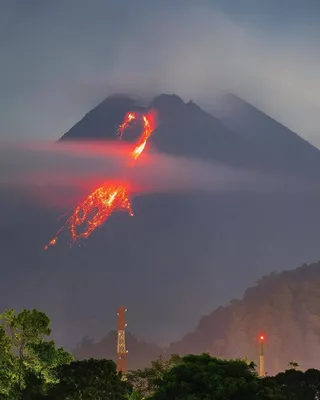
x,y
60,58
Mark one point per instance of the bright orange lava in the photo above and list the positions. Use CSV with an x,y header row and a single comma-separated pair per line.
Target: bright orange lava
x,y
100,204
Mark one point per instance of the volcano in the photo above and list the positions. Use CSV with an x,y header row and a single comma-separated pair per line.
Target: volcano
x,y
186,243
182,254
240,135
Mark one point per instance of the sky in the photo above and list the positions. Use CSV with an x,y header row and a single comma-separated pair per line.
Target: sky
x,y
59,59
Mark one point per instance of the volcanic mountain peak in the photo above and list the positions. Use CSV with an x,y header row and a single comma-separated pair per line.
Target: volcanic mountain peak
x,y
167,101
102,121
242,136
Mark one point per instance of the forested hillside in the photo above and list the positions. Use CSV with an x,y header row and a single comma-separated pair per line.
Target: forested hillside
x,y
285,307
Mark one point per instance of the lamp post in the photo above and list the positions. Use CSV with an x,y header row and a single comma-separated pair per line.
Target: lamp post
x,y
261,356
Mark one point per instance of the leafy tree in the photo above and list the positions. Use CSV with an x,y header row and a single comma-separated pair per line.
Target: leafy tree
x,y
90,379
35,387
25,357
202,377
135,396
144,380
8,365
24,329
296,385
45,358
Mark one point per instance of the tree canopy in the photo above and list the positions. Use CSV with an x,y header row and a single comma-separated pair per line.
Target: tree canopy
x,y
204,377
25,355
90,379
32,368
145,380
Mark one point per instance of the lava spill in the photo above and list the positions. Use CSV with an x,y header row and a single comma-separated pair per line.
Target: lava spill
x,y
101,203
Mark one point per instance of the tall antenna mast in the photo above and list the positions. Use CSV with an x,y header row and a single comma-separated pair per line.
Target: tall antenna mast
x,y
121,342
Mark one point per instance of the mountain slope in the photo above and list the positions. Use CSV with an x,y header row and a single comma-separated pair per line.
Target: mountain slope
x,y
242,137
284,147
184,129
285,307
102,121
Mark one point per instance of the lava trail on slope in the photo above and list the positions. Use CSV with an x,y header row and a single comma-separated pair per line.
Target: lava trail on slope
x,y
94,210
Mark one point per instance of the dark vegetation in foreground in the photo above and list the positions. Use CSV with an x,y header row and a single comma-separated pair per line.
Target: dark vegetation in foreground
x,y
31,367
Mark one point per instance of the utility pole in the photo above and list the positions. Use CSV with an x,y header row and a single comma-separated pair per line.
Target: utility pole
x,y
121,342
261,356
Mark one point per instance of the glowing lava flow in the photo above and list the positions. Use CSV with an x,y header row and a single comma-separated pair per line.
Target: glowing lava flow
x,y
100,204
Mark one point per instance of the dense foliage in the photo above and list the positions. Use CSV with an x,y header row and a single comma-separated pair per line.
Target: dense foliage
x,y
32,368
145,380
202,377
89,379
25,355
206,377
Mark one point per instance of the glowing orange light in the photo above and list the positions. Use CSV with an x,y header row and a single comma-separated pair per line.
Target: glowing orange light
x,y
128,119
100,204
51,243
261,337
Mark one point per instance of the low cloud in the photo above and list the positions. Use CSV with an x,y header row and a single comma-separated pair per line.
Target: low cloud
x,y
60,174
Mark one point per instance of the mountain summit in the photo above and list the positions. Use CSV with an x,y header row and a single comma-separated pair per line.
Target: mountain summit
x,y
242,136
